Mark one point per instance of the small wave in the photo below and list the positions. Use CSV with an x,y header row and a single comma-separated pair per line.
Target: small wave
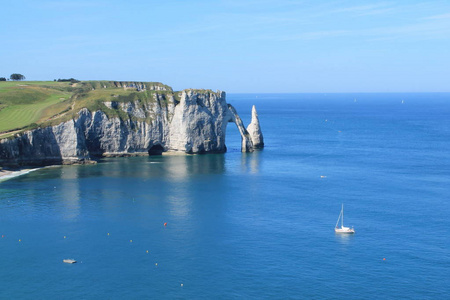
x,y
5,175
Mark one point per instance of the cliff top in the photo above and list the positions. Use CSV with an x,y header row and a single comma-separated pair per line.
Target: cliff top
x,y
25,105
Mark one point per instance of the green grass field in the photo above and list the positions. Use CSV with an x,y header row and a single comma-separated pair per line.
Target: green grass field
x,y
25,103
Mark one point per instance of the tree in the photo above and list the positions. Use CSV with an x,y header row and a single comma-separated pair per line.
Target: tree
x,y
16,76
2,79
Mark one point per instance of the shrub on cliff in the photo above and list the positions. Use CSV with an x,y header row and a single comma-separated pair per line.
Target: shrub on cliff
x,y
72,80
16,76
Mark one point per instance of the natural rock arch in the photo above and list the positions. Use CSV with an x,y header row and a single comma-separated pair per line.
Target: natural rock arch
x,y
246,140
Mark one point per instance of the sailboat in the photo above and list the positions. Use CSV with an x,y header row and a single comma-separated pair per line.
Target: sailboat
x,y
342,229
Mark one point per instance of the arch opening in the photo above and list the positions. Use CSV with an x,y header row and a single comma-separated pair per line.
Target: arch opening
x,y
233,138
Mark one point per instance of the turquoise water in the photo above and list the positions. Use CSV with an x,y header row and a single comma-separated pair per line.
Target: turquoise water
x,y
248,226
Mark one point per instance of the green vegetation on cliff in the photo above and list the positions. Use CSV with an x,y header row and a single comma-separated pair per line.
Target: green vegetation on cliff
x,y
29,104
25,103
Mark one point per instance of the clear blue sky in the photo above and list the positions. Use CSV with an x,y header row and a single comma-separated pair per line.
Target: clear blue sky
x,y
235,45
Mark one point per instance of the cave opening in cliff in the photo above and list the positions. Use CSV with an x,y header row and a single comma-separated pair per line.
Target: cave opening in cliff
x,y
156,150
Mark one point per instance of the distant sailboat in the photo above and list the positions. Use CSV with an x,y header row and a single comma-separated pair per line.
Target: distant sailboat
x,y
342,229
69,261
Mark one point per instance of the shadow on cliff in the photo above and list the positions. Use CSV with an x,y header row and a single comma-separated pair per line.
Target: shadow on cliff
x,y
39,148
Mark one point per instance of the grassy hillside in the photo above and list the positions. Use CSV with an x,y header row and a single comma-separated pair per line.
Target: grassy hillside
x,y
25,103
28,104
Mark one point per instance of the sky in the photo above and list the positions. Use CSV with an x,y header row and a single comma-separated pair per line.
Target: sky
x,y
238,46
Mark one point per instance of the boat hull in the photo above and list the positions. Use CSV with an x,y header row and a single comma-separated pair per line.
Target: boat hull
x,y
344,230
69,261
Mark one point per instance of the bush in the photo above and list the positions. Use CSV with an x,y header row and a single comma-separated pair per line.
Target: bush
x,y
2,79
72,80
16,76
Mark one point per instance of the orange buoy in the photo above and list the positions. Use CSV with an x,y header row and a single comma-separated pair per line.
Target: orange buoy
x,y
384,258
165,224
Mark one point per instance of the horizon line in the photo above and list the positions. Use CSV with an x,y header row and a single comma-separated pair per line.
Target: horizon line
x,y
299,92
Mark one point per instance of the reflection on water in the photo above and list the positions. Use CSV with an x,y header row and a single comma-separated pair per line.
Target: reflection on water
x,y
70,191
173,181
176,167
344,239
250,162
181,167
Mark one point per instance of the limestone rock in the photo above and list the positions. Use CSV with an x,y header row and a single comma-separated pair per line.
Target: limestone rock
x,y
199,123
246,144
255,130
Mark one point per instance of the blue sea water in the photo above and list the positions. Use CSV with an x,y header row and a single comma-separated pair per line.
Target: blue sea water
x,y
248,225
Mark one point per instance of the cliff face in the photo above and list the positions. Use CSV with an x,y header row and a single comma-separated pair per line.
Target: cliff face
x,y
194,124
199,123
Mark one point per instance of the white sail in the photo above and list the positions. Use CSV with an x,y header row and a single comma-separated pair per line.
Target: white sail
x,y
340,215
343,229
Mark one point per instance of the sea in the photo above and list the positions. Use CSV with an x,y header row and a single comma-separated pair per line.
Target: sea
x,y
248,225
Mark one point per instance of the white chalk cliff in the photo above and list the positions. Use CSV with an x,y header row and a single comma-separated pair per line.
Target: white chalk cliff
x,y
196,123
255,130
